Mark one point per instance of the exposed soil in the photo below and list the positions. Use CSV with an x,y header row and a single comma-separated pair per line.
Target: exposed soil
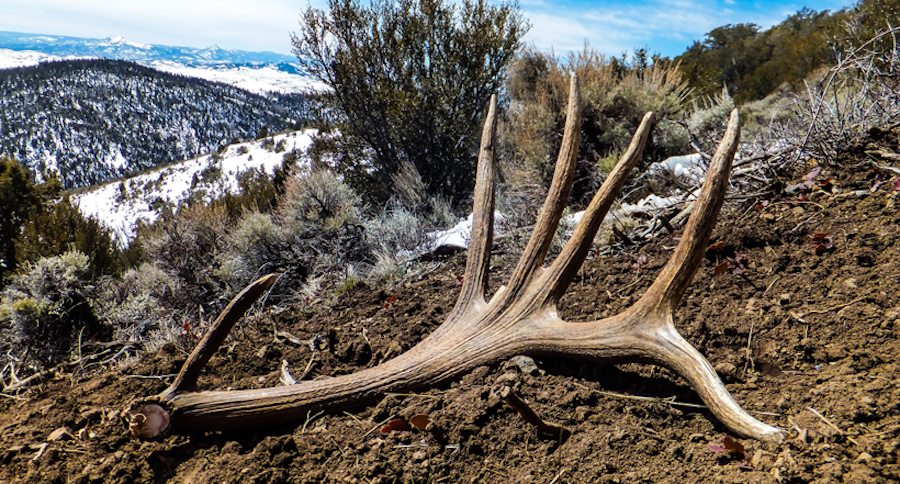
x,y
806,337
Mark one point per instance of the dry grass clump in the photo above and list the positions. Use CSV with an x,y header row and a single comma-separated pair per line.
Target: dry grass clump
x,y
615,98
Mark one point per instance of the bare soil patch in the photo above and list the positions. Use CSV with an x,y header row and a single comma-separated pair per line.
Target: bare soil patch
x,y
803,326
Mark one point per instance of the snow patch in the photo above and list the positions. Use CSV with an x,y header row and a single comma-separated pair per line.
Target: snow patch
x,y
690,166
257,80
456,237
24,58
121,205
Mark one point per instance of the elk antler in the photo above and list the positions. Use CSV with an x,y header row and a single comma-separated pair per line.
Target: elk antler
x,y
521,318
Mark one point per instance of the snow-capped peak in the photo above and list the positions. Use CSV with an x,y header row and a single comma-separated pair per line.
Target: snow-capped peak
x,y
119,40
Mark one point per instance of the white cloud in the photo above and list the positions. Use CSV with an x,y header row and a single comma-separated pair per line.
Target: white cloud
x,y
613,29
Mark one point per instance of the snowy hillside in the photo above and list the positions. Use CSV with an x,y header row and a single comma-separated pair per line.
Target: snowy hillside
x,y
23,58
256,79
121,205
257,72
95,120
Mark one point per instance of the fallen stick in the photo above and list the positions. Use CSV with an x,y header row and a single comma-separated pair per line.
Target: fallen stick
x,y
832,425
544,428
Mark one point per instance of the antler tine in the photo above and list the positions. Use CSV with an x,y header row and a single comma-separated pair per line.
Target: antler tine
x,y
674,279
668,347
479,257
557,197
566,265
218,331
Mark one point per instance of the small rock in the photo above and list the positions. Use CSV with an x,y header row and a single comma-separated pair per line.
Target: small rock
x,y
784,299
697,437
525,364
726,370
508,378
863,457
865,260
835,352
761,459
419,455
59,434
91,415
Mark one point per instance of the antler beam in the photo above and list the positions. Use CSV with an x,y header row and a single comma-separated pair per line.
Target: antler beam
x,y
521,318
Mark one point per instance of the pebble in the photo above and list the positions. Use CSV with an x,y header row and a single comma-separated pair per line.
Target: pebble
x,y
726,370
525,364
61,433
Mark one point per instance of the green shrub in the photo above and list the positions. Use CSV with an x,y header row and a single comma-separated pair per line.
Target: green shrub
x,y
409,79
708,119
18,198
49,311
258,246
319,199
185,246
58,227
138,304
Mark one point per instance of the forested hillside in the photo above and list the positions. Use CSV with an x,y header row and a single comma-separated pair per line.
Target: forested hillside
x,y
93,120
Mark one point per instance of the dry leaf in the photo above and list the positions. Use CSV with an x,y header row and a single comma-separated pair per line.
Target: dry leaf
x,y
812,174
420,421
826,185
721,268
729,446
739,262
397,424
715,247
389,301
734,447
822,242
639,262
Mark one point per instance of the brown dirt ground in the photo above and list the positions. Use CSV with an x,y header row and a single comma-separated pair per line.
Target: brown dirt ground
x,y
796,333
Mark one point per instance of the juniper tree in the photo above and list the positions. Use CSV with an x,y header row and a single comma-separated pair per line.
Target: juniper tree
x,y
408,81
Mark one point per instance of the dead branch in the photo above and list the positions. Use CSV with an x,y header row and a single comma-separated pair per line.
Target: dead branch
x,y
544,428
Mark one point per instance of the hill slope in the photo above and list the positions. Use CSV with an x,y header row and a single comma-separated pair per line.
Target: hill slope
x,y
94,120
805,339
122,204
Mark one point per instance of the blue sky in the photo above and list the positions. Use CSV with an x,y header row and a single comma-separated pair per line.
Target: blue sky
x,y
664,26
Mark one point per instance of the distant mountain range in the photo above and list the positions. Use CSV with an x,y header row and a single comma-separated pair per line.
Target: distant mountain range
x,y
255,71
120,48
